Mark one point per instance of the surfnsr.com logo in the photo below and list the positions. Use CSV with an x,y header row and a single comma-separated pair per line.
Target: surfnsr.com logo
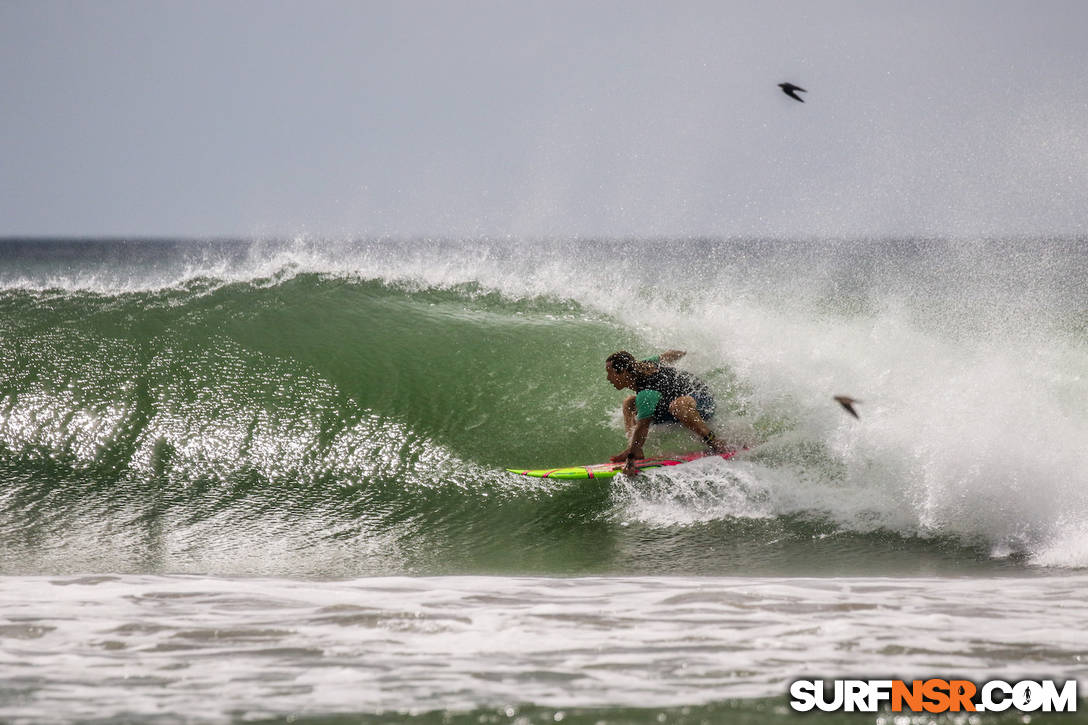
x,y
933,695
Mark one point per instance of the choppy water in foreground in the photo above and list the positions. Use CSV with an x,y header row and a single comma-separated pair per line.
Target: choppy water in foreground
x,y
141,647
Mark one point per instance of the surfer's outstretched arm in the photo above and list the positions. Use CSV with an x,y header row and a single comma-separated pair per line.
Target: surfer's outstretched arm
x,y
671,356
638,437
634,449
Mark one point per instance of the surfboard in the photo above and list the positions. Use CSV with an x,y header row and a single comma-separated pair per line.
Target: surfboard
x,y
608,470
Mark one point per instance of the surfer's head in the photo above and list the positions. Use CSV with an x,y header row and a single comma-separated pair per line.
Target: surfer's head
x,y
620,369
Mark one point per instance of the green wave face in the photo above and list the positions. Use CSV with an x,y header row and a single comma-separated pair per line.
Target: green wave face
x,y
308,353
316,411
234,410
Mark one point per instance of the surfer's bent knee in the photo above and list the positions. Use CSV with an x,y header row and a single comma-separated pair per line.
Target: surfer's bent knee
x,y
682,403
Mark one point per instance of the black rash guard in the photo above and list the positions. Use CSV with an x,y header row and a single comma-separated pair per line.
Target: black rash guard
x,y
654,393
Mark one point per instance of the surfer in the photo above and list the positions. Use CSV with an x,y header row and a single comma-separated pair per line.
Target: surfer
x,y
663,394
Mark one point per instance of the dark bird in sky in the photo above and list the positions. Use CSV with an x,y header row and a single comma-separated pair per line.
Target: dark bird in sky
x,y
791,90
848,404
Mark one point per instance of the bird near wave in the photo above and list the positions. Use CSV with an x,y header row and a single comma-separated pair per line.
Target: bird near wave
x,y
847,404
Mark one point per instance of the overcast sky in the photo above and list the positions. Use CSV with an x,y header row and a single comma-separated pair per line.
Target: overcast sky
x,y
543,119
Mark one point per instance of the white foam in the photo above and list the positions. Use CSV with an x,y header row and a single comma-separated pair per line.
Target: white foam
x,y
136,646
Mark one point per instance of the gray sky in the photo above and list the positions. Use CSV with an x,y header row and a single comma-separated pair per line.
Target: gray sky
x,y
557,118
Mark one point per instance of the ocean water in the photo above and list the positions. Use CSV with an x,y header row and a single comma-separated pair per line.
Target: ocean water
x,y
246,481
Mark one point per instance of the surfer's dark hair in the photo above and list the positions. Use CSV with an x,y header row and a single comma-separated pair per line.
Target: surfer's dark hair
x,y
621,361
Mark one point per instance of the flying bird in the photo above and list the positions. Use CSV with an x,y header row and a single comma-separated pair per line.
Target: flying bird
x,y
848,404
791,90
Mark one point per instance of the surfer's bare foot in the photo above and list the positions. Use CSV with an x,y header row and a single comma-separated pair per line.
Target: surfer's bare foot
x,y
720,447
715,445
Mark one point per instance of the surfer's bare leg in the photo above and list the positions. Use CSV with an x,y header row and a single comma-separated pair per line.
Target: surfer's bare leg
x,y
685,412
